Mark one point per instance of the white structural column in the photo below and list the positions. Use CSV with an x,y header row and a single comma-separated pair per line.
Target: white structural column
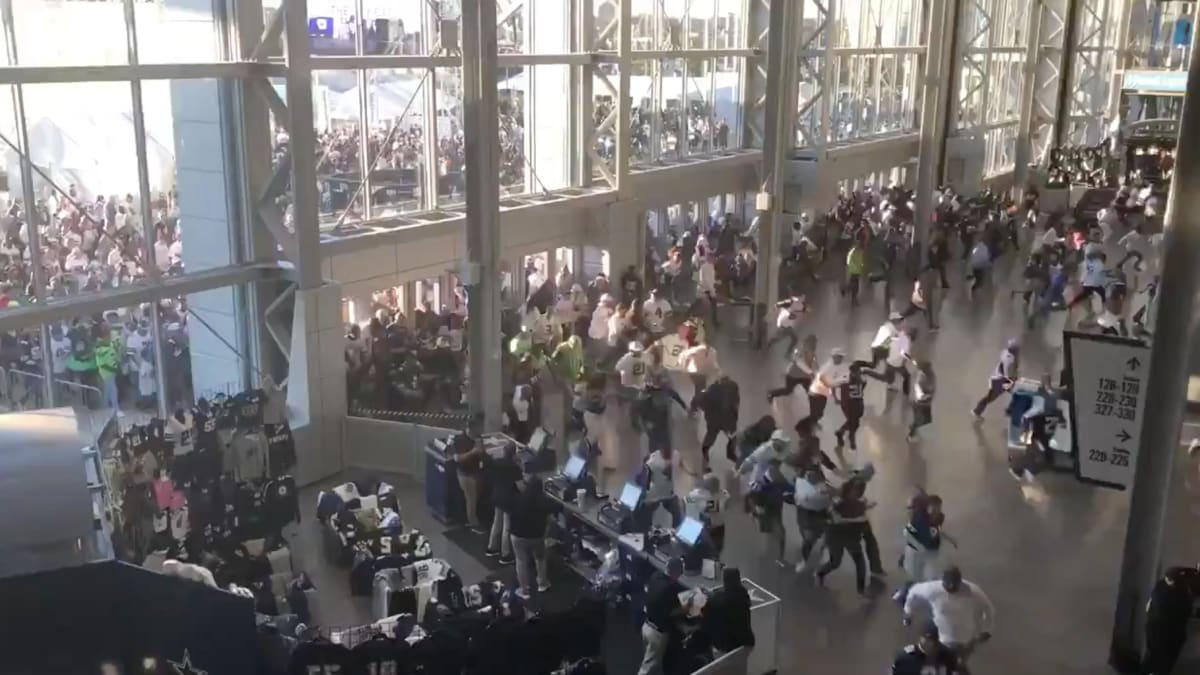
x,y
482,272
934,99
316,391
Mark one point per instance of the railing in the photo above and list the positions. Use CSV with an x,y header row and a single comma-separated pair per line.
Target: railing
x,y
23,390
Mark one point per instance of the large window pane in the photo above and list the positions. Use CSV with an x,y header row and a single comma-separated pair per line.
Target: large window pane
x,y
87,175
547,100
450,152
511,32
16,267
510,87
672,138
105,361
191,199
396,140
176,32
730,29
644,94
337,120
56,33
607,16
604,118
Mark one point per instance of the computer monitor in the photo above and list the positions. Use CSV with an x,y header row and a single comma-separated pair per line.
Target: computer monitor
x,y
689,531
574,467
538,439
631,496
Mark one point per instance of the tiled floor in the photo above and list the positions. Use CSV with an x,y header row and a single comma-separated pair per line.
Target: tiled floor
x,y
1047,552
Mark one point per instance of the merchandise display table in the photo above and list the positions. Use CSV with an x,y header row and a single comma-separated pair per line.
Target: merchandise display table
x,y
637,564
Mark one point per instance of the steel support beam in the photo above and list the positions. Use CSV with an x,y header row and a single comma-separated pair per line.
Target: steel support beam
x,y
303,144
934,103
1166,387
783,19
1024,151
480,127
624,103
73,306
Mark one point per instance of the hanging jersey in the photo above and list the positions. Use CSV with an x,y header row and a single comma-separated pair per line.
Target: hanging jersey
x,y
320,658
249,408
380,656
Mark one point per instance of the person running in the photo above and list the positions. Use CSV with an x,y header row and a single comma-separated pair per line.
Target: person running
x,y
720,402
802,369
924,385
856,267
928,656
1003,376
849,395
898,356
845,534
813,497
962,611
884,336
833,374
791,310
655,311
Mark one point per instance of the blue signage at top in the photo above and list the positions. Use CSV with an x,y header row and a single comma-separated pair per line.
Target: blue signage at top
x,y
1161,81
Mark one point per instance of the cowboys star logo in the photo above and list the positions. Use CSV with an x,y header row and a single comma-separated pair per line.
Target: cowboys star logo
x,y
185,667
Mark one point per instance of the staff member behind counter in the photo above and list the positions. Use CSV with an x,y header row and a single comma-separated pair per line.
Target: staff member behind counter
x,y
466,451
663,611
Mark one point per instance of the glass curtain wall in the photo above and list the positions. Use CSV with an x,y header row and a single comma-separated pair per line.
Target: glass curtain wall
x,y
686,77
102,184
859,65
991,72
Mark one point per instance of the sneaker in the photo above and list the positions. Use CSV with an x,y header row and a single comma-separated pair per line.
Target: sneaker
x,y
1027,475
1017,476
506,560
900,596
478,530
781,563
912,437
491,553
522,593
542,588
977,415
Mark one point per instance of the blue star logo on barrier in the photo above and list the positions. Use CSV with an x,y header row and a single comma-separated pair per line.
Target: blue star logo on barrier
x,y
185,666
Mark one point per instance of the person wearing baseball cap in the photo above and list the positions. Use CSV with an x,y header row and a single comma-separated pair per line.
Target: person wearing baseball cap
x,y
1003,376
927,656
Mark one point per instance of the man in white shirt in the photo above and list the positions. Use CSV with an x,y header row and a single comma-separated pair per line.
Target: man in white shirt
x,y
787,321
632,368
961,610
883,337
899,354
654,313
834,373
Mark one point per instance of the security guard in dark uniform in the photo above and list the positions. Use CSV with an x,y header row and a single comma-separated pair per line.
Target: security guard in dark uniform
x,y
928,657
1172,604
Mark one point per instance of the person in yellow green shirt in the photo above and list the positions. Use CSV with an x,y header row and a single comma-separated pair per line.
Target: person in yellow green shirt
x,y
109,349
856,267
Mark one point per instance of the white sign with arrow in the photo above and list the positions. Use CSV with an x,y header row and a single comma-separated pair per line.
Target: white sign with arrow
x,y
1108,400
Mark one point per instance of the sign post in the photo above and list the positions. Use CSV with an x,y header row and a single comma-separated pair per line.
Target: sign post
x,y
1108,402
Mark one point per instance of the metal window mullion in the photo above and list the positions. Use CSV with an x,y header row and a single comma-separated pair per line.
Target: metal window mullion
x,y
528,184
364,96
139,140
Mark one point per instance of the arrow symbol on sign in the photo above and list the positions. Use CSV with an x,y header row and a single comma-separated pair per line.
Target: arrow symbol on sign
x,y
1124,436
1133,363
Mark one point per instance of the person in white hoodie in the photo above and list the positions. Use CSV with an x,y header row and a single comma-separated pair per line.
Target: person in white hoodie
x,y
963,613
699,361
598,329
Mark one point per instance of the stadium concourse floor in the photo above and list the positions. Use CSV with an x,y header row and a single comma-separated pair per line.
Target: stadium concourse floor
x,y
1046,551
